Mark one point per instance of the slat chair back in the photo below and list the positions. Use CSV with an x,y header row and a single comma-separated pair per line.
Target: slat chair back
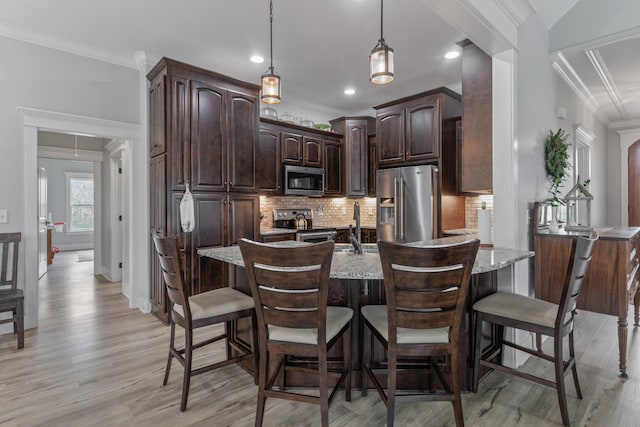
x,y
169,255
426,287
10,245
290,285
580,257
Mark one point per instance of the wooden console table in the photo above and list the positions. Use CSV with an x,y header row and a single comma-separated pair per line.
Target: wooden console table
x,y
611,283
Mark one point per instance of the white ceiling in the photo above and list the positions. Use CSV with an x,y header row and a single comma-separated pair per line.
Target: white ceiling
x,y
320,47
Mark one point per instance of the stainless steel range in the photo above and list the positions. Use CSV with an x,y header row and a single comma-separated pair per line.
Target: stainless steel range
x,y
301,220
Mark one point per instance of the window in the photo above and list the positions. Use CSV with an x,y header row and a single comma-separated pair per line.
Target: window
x,y
79,202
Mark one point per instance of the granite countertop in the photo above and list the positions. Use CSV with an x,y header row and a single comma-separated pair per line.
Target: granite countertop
x,y
271,231
346,265
460,231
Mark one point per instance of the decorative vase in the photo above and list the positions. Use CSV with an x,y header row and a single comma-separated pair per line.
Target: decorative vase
x,y
553,225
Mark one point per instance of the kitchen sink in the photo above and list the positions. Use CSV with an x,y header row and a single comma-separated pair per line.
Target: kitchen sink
x,y
367,248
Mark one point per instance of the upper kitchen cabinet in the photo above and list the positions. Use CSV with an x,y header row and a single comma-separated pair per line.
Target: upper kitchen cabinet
x,y
475,168
333,167
212,126
409,130
356,131
157,129
301,150
269,167
289,144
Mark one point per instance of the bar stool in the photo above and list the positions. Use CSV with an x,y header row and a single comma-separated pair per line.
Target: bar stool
x,y
191,312
539,317
426,290
290,287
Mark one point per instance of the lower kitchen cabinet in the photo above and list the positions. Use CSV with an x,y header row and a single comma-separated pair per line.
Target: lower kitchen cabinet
x,y
280,237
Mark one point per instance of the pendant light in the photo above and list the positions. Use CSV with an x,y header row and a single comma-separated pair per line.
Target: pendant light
x,y
381,65
76,146
270,80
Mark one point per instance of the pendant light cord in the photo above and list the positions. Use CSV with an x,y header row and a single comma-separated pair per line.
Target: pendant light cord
x,y
76,155
381,20
271,32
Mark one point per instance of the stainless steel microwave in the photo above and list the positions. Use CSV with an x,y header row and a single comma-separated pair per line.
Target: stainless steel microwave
x,y
302,181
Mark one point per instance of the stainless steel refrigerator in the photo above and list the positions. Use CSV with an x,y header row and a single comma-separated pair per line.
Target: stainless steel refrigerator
x,y
407,203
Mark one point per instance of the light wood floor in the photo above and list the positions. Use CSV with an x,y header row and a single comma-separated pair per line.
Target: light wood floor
x,y
93,361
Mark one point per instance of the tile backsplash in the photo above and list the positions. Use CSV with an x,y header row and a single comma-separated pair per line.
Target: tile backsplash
x,y
329,212
338,212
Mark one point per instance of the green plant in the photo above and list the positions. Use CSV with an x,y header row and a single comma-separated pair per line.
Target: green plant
x,y
556,161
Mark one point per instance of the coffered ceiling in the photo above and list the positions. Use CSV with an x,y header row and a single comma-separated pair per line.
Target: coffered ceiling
x,y
320,47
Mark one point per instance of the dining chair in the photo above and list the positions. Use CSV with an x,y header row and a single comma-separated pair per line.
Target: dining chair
x,y
290,288
11,298
222,305
504,309
426,289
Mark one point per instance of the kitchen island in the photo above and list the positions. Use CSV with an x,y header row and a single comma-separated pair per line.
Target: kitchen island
x,y
356,280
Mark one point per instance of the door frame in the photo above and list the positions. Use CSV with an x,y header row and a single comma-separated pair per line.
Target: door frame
x,y
118,150
137,239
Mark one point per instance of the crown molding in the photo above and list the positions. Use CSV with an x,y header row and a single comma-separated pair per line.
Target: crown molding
x,y
625,124
517,10
607,80
568,73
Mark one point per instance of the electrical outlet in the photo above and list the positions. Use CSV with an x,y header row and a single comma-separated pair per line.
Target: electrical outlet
x,y
344,211
4,216
370,211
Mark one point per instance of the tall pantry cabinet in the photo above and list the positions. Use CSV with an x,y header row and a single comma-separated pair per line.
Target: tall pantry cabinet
x,y
203,130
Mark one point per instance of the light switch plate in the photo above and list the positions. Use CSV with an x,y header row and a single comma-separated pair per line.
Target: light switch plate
x,y
4,216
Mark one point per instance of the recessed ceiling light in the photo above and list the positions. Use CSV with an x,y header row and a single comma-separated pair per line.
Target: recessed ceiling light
x,y
257,59
452,54
349,91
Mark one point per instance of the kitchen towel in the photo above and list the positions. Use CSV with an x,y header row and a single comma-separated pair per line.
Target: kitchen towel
x,y
186,211
484,226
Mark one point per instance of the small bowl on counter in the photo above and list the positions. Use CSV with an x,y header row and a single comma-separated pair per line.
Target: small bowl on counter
x,y
307,123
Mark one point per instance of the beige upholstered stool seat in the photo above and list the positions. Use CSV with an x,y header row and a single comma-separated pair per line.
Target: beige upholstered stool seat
x,y
521,308
377,316
337,318
217,303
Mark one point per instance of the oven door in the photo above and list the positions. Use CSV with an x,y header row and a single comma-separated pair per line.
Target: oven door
x,y
314,236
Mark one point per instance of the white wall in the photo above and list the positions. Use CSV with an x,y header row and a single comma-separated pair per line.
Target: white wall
x,y
57,202
579,114
47,79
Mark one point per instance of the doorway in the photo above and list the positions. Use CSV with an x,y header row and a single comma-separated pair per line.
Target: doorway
x,y
135,237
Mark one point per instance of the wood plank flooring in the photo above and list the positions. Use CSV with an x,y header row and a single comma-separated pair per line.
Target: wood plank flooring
x,y
93,361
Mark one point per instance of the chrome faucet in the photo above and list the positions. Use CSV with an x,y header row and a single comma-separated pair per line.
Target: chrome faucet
x,y
356,240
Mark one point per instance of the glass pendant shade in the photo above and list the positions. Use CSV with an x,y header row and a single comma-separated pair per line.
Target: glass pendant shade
x,y
381,67
270,88
270,80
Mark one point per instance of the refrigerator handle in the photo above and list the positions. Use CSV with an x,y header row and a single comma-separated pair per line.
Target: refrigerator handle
x,y
396,203
402,232
435,195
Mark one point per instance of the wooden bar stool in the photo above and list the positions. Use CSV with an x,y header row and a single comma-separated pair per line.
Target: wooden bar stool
x,y
11,298
539,317
290,287
191,312
426,290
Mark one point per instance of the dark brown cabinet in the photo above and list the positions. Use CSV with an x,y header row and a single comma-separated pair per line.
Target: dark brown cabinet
x,y
269,166
211,126
301,150
356,131
157,129
333,167
475,168
287,144
280,237
373,167
408,131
